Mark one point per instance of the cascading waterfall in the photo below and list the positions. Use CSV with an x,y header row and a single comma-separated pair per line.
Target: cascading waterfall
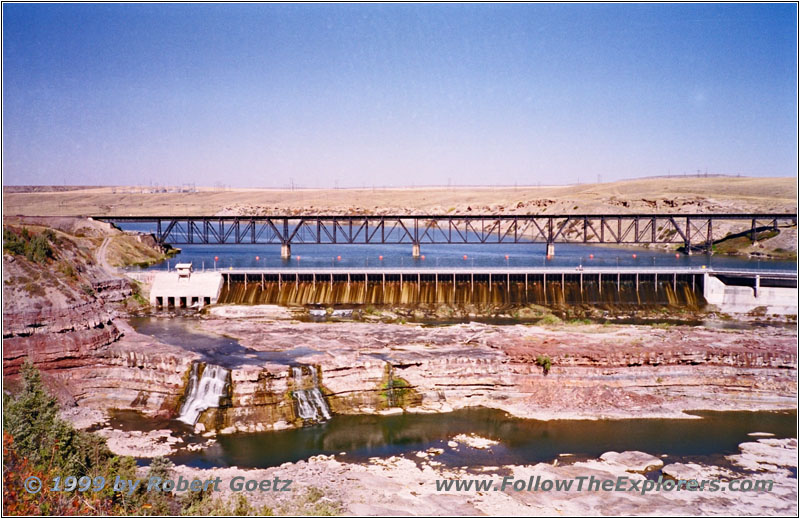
x,y
203,393
311,404
390,387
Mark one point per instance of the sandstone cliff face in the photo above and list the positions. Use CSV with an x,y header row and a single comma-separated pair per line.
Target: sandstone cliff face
x,y
55,310
136,372
57,313
57,338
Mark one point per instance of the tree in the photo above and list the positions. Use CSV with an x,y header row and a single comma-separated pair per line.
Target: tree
x,y
37,442
29,418
157,502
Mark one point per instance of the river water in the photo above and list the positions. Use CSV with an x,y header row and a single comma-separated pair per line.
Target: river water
x,y
712,436
360,437
215,349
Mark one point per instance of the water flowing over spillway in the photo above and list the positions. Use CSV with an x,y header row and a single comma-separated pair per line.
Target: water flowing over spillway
x,y
570,289
203,393
311,404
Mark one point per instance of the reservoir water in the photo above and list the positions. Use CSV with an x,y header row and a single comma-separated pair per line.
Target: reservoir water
x,y
478,255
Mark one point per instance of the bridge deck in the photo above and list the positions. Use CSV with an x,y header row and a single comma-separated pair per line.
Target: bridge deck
x,y
304,271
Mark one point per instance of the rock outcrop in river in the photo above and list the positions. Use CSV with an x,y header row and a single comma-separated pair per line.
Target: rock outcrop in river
x,y
596,371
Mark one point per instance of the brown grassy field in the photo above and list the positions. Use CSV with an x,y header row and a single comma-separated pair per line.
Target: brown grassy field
x,y
670,195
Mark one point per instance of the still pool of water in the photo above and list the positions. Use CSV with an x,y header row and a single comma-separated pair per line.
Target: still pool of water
x,y
711,436
216,349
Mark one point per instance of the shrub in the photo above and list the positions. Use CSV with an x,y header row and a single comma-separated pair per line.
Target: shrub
x,y
35,248
545,362
548,319
68,270
313,502
39,249
204,504
12,243
159,503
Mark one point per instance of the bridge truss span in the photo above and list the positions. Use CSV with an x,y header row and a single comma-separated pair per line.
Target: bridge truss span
x,y
689,230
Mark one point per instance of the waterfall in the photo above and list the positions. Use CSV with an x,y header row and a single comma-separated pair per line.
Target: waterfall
x,y
203,393
311,404
390,387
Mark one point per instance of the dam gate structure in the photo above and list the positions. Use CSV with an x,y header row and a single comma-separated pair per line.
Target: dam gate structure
x,y
687,287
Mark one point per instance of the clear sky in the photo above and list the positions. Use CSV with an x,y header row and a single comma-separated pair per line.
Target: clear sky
x,y
358,95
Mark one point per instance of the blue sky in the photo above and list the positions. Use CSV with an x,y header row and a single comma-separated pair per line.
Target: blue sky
x,y
358,95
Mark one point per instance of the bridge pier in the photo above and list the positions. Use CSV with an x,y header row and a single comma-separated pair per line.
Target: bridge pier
x,y
415,250
286,251
551,249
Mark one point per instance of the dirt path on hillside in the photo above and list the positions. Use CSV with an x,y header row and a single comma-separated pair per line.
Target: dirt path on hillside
x,y
102,259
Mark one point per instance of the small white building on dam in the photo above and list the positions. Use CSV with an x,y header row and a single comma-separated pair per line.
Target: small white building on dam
x,y
183,288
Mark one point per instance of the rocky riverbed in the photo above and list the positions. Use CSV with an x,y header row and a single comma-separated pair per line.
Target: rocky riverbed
x,y
80,339
407,485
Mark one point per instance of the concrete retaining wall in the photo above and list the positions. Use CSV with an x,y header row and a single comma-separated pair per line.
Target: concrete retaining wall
x,y
738,299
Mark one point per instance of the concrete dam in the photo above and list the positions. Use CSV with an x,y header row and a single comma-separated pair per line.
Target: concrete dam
x,y
731,291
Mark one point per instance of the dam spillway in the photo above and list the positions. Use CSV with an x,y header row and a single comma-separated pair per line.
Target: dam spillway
x,y
512,286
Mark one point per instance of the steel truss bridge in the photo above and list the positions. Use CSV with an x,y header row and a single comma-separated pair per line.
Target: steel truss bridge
x,y
693,231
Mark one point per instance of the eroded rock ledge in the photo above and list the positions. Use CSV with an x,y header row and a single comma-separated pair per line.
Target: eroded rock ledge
x,y
596,371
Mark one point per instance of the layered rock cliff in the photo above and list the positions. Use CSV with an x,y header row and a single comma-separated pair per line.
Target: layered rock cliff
x,y
61,310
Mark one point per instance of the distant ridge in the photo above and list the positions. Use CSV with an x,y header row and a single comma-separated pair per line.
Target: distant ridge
x,y
44,189
192,188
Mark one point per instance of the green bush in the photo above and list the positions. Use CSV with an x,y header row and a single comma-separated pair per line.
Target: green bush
x,y
545,362
68,270
548,319
204,504
40,249
313,502
46,442
159,503
12,244
35,248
